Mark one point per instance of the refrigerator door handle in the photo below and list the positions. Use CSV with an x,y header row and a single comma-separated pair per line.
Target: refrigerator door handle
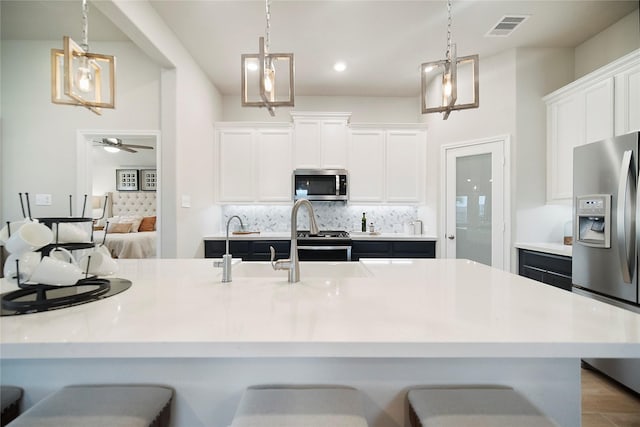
x,y
627,260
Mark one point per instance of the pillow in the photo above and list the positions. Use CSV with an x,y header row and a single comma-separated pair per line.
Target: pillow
x,y
148,224
134,220
123,227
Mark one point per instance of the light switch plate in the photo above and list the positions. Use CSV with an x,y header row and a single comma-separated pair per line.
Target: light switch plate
x,y
186,201
43,199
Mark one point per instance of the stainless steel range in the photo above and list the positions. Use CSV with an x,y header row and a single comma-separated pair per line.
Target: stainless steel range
x,y
327,245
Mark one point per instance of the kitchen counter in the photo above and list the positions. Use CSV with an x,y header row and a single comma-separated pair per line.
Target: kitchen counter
x,y
355,235
380,325
550,248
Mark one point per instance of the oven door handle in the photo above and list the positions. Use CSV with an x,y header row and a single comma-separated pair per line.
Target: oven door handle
x,y
328,248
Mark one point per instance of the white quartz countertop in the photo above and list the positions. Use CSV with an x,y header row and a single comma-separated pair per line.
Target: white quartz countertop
x,y
550,248
396,308
355,235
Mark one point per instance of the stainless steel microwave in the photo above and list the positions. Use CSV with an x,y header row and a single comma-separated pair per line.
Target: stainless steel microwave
x,y
320,184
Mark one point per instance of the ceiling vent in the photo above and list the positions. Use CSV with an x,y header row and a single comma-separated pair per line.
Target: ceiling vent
x,y
506,25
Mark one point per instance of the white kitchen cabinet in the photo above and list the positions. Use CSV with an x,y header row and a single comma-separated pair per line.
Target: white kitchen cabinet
x,y
598,111
236,165
565,130
597,106
274,173
320,140
405,156
367,165
627,101
387,163
254,162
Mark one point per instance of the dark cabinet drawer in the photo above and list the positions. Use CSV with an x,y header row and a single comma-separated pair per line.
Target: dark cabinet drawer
x,y
361,249
551,269
414,249
249,250
393,249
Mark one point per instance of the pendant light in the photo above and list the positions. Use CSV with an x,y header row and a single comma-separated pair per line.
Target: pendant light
x,y
79,77
440,88
267,78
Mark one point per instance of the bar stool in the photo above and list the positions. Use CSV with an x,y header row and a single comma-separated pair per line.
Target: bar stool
x,y
10,397
101,406
295,406
491,406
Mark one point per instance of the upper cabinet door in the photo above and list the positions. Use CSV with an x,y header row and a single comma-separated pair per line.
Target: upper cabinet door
x,y
333,144
406,159
366,165
307,144
565,127
320,140
273,148
627,98
598,109
236,165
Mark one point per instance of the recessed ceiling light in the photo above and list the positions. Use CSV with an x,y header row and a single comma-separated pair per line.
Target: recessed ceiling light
x,y
339,66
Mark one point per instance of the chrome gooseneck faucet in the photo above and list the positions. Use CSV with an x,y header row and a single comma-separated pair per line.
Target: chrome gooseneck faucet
x,y
293,263
227,258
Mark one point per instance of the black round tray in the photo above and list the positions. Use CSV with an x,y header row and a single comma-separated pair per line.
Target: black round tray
x,y
37,298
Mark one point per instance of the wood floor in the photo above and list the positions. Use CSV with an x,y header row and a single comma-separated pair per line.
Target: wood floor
x,y
607,404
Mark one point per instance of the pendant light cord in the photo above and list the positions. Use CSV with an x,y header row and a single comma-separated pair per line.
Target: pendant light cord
x,y
449,30
85,25
267,43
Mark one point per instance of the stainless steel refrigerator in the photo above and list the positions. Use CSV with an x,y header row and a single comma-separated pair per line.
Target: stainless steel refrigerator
x,y
605,250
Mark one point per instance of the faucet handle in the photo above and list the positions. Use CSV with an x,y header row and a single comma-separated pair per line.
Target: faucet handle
x,y
280,264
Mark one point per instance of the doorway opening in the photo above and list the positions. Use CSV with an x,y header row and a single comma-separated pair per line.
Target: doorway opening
x,y
97,176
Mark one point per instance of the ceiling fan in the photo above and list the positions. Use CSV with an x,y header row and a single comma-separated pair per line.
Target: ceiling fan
x,y
115,144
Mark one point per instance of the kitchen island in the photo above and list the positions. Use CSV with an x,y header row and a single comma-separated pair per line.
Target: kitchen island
x,y
378,325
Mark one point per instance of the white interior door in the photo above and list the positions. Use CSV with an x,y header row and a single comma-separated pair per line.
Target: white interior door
x,y
475,205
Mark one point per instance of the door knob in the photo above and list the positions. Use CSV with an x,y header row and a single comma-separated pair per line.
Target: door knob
x,y
451,237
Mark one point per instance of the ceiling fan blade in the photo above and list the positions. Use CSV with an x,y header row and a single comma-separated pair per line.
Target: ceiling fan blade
x,y
127,149
138,146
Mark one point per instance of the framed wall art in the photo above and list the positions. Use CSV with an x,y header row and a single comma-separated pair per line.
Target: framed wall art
x,y
148,180
127,179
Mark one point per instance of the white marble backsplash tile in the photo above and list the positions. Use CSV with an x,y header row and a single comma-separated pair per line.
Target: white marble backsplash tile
x,y
329,215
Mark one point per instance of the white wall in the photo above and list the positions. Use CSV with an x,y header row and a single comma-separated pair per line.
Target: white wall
x,y
190,105
364,109
612,43
39,137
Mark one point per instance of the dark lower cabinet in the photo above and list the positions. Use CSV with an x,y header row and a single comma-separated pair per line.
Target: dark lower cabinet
x,y
258,250
547,268
392,249
249,250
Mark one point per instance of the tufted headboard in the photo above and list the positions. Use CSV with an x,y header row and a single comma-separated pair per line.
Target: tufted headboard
x,y
127,203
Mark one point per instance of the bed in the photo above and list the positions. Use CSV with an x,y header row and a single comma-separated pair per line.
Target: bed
x,y
121,208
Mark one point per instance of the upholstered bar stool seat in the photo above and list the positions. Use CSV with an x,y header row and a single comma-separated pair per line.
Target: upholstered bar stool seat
x,y
101,406
297,406
10,397
473,407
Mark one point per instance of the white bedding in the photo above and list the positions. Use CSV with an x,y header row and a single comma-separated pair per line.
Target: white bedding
x,y
129,245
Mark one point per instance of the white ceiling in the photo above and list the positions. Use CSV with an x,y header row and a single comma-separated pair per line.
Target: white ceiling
x,y
382,42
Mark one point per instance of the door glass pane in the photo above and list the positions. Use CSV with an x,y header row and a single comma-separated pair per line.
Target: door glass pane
x,y
473,208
